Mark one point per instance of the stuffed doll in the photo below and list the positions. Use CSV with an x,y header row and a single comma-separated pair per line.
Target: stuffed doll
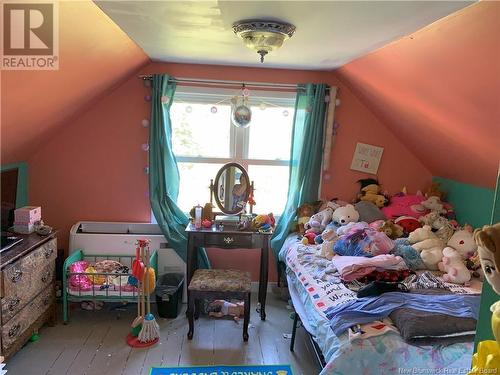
x,y
329,238
461,246
345,215
428,245
487,358
403,204
434,204
392,230
319,221
304,213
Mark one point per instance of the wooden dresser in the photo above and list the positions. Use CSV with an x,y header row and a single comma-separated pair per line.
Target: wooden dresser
x,y
27,290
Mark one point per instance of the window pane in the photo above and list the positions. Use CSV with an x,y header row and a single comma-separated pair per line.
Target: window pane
x,y
195,184
270,133
197,131
271,187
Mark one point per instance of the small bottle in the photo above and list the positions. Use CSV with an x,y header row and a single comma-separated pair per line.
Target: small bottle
x,y
197,216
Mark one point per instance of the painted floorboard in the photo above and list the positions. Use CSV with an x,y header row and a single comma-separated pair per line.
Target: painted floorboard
x,y
94,343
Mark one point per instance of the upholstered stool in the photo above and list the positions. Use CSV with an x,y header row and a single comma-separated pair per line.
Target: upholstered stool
x,y
218,284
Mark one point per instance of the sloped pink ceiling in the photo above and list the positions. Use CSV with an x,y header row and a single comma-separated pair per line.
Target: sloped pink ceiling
x,y
95,55
438,90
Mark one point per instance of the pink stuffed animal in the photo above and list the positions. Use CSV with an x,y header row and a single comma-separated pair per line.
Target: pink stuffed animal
x,y
403,204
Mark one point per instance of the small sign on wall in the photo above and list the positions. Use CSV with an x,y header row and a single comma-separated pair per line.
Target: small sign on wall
x,y
366,158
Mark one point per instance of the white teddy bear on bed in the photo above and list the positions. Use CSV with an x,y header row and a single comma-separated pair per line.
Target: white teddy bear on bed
x,y
428,245
461,246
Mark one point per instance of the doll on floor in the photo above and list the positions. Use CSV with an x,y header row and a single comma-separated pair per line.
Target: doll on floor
x,y
220,308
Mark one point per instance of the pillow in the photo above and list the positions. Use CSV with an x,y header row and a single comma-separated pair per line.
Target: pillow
x,y
368,212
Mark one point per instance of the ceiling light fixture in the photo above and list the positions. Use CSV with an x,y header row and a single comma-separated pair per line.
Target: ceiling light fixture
x,y
263,36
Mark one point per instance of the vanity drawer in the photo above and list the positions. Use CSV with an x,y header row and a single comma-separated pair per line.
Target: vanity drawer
x,y
25,275
38,280
243,241
29,314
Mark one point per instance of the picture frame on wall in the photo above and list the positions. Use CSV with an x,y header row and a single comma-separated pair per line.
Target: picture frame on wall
x,y
366,158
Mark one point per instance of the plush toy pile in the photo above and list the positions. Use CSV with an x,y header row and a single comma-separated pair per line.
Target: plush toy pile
x,y
421,229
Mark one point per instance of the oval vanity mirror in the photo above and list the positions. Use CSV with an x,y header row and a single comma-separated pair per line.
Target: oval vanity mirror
x,y
232,188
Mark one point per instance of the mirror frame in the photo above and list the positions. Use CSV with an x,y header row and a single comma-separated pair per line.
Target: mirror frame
x,y
216,184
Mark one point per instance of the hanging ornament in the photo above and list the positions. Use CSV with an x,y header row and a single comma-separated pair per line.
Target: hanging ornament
x,y
145,147
213,109
245,91
242,115
147,98
262,106
286,113
189,109
164,99
145,123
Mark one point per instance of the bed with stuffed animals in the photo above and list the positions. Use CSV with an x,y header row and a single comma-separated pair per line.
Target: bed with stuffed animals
x,y
386,290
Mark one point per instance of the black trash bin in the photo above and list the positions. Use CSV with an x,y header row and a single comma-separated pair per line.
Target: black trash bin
x,y
169,294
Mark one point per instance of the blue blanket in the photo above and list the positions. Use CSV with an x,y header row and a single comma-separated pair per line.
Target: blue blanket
x,y
365,310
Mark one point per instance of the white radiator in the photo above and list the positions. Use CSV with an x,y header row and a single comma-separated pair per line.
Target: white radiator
x,y
119,238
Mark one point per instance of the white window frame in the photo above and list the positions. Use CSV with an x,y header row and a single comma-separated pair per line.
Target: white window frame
x,y
239,137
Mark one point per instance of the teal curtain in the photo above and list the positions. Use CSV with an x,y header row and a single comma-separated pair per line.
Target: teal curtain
x,y
163,171
305,156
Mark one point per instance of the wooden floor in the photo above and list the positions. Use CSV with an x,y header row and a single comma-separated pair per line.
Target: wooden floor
x,y
94,343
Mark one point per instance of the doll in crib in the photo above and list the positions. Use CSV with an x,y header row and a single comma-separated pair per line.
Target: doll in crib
x,y
220,308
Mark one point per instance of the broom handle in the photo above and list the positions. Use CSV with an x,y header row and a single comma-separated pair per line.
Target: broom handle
x,y
138,290
148,280
142,285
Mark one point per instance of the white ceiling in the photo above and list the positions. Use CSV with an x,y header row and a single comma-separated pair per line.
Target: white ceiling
x,y
329,33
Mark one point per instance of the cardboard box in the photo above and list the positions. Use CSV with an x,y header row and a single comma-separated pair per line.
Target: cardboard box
x,y
27,215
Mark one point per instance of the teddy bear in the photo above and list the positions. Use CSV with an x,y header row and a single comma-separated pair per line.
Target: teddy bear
x,y
434,204
391,230
428,245
370,193
304,213
460,247
345,215
329,238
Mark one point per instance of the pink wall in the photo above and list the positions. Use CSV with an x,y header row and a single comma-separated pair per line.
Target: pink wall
x,y
93,168
36,104
438,90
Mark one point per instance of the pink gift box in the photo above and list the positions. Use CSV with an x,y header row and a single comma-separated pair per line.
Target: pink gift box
x,y
28,214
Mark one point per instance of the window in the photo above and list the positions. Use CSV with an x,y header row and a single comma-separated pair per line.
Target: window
x,y
204,139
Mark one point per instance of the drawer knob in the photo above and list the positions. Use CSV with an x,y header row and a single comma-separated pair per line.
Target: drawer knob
x,y
48,252
16,275
13,303
46,277
228,240
14,330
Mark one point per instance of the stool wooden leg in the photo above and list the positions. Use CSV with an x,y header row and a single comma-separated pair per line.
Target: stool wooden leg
x,y
197,308
294,330
190,314
246,318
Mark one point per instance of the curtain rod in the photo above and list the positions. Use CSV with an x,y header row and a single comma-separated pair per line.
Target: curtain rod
x,y
209,82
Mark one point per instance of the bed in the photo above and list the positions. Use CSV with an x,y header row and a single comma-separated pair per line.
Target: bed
x,y
383,354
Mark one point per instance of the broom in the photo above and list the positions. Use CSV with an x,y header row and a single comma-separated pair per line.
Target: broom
x,y
138,268
150,330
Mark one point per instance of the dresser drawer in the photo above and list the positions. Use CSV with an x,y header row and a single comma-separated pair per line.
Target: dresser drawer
x,y
24,318
25,276
243,241
38,280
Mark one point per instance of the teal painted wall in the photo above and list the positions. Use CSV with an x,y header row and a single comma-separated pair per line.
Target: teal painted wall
x,y
22,182
474,205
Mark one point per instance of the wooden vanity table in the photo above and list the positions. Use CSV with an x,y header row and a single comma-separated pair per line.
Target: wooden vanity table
x,y
230,239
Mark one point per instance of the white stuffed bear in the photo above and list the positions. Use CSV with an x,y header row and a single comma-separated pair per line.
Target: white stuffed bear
x,y
428,245
461,246
329,238
345,215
